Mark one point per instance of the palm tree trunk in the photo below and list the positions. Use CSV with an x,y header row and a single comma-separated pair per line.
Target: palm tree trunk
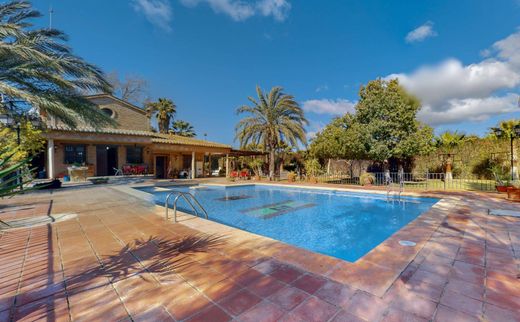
x,y
271,164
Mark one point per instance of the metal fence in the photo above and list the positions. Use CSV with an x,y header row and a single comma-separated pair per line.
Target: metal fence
x,y
414,181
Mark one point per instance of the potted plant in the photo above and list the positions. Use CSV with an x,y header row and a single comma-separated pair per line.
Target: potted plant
x,y
501,178
291,176
513,192
256,164
367,179
312,169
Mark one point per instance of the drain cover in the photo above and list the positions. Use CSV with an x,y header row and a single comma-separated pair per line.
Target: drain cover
x,y
407,243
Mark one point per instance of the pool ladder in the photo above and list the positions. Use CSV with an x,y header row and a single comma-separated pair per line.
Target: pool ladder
x,y
390,188
187,197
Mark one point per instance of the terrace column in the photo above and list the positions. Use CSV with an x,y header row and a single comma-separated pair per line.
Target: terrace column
x,y
227,165
50,159
193,174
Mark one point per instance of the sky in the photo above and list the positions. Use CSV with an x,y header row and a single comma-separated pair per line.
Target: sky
x,y
460,58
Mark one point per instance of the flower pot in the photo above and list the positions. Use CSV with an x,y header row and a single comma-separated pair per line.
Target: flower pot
x,y
502,189
513,194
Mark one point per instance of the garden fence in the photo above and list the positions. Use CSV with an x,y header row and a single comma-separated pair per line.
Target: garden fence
x,y
417,181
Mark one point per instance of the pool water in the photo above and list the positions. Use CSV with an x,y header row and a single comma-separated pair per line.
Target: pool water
x,y
345,225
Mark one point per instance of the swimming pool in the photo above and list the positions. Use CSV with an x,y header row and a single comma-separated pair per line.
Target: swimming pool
x,y
345,225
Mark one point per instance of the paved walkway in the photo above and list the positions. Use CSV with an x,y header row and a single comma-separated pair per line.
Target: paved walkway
x,y
119,260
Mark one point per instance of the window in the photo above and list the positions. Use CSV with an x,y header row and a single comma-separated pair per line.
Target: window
x,y
134,154
75,154
108,111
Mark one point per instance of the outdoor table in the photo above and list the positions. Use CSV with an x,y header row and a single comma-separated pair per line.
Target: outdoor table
x,y
77,173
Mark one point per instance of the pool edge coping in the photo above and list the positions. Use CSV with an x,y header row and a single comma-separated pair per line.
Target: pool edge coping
x,y
374,272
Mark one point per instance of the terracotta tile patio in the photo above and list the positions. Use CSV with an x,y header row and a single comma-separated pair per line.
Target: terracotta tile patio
x,y
120,260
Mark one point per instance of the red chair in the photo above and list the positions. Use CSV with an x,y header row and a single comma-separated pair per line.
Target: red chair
x,y
244,174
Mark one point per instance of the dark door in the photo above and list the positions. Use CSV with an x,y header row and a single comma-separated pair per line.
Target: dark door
x,y
106,160
38,164
160,164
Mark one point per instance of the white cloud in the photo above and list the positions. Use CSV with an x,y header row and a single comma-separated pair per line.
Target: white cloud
x,y
469,109
322,88
279,9
452,92
453,80
327,106
240,10
421,33
158,12
237,10
314,128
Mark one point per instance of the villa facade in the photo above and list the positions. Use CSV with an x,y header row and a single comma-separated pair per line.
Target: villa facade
x,y
131,146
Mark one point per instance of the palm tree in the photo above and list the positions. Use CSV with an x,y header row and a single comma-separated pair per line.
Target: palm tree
x,y
272,118
164,110
449,141
38,69
183,128
507,131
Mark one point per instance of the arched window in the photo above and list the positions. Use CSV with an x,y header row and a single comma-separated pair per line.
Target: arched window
x,y
108,111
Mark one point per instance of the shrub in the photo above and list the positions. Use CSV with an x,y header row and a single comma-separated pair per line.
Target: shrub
x,y
291,176
367,179
312,167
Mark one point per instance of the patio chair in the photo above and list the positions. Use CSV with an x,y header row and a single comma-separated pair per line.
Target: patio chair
x,y
117,172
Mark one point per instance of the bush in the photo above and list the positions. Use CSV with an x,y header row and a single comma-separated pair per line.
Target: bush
x,y
291,176
367,179
312,167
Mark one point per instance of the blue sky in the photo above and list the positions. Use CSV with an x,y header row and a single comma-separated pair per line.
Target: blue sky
x,y
462,58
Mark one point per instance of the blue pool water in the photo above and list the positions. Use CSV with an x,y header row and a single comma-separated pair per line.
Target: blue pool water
x,y
345,225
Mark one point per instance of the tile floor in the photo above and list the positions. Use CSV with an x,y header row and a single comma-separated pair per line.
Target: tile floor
x,y
120,260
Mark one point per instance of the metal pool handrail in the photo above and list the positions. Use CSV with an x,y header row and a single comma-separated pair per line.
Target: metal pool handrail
x,y
182,194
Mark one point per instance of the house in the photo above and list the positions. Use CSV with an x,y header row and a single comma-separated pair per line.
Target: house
x,y
131,145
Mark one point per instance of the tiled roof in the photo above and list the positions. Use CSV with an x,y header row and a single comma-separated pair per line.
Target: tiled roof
x,y
156,137
88,129
177,139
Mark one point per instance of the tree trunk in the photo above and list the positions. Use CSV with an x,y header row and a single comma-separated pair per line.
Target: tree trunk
x,y
271,164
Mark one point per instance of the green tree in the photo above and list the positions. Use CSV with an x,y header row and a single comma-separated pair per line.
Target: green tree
x,y
31,142
508,133
383,126
38,69
164,110
312,167
507,127
343,138
183,128
389,114
272,118
448,141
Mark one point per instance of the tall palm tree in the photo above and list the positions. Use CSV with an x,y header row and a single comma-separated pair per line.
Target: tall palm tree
x,y
273,118
164,110
449,141
38,70
507,128
183,128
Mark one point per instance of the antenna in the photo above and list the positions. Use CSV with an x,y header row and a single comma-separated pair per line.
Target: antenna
x,y
51,11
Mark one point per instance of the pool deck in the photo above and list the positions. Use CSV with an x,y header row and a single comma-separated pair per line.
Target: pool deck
x,y
120,260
